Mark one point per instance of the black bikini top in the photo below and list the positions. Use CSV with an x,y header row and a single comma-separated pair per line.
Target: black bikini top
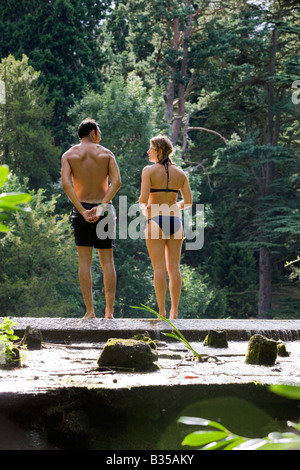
x,y
166,190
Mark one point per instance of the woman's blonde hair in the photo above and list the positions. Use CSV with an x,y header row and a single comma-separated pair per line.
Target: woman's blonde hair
x,y
164,148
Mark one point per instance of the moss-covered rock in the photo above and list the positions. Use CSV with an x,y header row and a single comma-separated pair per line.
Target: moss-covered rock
x,y
216,339
281,349
261,351
146,338
32,339
128,353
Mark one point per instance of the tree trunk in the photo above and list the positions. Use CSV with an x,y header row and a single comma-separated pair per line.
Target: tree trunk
x,y
265,258
265,283
177,120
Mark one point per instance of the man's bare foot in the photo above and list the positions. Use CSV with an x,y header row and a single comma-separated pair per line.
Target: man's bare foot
x,y
87,316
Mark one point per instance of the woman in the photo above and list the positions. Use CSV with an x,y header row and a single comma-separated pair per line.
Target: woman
x,y
161,183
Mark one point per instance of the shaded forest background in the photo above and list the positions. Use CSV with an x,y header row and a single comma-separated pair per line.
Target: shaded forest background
x,y
215,76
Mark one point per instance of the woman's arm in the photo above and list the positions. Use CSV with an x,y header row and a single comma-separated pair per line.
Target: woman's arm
x,y
186,193
145,190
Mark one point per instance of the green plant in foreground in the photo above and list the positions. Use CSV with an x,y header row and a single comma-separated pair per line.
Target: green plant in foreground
x,y
10,201
176,334
221,438
8,350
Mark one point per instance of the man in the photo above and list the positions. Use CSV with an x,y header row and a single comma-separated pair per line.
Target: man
x,y
85,170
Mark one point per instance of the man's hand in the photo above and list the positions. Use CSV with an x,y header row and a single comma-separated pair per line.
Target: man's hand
x,y
90,215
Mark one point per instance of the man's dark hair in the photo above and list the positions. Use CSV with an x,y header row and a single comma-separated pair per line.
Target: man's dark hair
x,y
86,126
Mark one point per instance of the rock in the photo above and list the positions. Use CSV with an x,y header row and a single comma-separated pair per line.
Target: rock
x,y
128,353
281,350
170,356
32,338
261,351
216,339
146,338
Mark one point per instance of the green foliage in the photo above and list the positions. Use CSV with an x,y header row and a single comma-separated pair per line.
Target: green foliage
x,y
38,264
10,201
199,297
26,142
221,438
7,343
60,39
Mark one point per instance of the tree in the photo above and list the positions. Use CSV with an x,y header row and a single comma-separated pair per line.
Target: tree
x,y
168,55
38,267
26,143
247,91
59,38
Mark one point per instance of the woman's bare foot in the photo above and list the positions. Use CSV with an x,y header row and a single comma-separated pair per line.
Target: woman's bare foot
x,y
87,316
109,316
173,316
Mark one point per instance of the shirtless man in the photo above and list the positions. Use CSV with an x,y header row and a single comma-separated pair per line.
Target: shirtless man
x,y
85,170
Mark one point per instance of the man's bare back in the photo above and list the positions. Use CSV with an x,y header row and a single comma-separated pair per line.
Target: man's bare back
x,y
86,169
90,169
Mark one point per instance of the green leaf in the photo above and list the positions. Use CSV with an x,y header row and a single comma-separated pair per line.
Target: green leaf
x,y
200,438
194,421
3,174
294,425
6,206
227,444
15,198
288,391
3,228
251,444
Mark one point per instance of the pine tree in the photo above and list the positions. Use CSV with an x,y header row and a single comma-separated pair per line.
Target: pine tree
x,y
60,39
26,143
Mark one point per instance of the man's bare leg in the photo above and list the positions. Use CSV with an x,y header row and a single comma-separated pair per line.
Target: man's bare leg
x,y
85,256
109,279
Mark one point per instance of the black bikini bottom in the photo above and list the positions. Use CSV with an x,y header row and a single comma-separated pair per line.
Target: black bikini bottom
x,y
169,224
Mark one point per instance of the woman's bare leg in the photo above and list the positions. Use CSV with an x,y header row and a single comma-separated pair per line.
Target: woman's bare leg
x,y
173,252
156,250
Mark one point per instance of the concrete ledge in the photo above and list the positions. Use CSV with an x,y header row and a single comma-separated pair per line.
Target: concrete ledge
x,y
67,330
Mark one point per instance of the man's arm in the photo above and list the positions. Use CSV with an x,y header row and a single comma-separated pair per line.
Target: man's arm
x,y
115,180
66,181
115,184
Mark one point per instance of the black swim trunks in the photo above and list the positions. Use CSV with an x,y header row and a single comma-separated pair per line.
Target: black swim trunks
x,y
100,234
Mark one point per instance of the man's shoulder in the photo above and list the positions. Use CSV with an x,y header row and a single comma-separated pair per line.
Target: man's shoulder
x,y
103,151
70,151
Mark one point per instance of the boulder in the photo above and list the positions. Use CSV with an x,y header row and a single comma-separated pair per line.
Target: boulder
x,y
32,338
129,354
216,339
281,349
261,351
146,338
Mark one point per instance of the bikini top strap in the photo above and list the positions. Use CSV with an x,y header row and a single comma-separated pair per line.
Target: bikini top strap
x,y
168,175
